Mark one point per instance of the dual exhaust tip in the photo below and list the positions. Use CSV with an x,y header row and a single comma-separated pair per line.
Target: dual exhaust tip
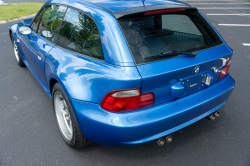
x,y
169,138
213,116
163,140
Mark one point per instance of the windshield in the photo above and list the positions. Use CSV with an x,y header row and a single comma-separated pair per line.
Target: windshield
x,y
156,34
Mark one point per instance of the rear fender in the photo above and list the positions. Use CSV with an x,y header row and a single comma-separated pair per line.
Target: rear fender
x,y
87,79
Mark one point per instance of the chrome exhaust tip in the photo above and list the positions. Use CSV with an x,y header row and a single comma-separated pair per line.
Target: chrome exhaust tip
x,y
160,142
211,117
217,114
169,139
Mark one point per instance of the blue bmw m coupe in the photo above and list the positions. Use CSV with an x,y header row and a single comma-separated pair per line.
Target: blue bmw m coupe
x,y
122,73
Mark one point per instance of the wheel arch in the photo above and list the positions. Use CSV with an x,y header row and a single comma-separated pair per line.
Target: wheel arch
x,y
13,29
10,32
52,83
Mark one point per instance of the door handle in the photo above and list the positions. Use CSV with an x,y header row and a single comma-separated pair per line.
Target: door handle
x,y
39,54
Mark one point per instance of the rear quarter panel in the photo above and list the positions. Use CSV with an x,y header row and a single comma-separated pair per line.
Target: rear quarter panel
x,y
88,79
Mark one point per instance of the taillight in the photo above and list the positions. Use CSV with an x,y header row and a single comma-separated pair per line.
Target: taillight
x,y
164,11
127,100
225,70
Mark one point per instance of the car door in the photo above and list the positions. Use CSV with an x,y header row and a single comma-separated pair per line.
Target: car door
x,y
36,46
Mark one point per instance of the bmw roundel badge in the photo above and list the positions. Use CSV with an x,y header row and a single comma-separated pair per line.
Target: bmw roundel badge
x,y
196,69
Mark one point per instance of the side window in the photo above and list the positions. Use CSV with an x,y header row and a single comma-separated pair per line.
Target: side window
x,y
51,21
35,23
79,33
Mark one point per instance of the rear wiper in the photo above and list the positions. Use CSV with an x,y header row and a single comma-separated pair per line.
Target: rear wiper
x,y
172,53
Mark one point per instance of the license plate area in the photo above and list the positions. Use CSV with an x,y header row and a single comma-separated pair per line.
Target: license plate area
x,y
195,83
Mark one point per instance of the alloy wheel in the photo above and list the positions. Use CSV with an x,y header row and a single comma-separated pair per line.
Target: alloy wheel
x,y
63,116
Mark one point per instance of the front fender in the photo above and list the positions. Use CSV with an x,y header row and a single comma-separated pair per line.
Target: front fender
x,y
13,29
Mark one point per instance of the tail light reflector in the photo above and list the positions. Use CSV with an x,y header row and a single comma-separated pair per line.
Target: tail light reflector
x,y
225,70
164,11
127,100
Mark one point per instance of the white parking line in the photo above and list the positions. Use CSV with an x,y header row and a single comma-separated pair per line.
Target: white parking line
x,y
246,44
3,33
239,25
239,14
223,7
243,3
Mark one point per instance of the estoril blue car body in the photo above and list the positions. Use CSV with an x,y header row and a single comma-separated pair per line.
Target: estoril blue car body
x,y
122,73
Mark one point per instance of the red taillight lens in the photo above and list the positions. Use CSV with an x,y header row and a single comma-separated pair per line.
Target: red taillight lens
x,y
225,70
164,11
127,100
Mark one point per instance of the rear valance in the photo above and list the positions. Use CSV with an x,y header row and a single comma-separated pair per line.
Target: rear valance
x,y
131,11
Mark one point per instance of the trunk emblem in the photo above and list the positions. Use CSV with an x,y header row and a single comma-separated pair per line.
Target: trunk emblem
x,y
196,69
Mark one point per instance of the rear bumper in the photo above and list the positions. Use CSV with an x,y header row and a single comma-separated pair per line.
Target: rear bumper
x,y
126,129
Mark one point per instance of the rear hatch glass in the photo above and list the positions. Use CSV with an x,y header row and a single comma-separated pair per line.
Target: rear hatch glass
x,y
149,35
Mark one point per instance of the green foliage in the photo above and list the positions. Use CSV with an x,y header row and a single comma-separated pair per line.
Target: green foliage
x,y
20,10
17,10
83,35
52,18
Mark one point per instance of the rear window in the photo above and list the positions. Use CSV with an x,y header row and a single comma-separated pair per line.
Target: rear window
x,y
156,34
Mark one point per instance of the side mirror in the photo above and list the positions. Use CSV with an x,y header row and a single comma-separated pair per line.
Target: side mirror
x,y
47,33
24,30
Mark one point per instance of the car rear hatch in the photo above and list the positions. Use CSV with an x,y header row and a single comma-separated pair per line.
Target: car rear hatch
x,y
176,51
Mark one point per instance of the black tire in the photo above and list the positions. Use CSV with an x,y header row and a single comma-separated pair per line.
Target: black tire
x,y
17,54
78,139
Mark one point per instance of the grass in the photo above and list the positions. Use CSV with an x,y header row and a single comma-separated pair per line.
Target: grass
x,y
17,10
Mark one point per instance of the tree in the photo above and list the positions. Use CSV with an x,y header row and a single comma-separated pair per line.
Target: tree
x,y
88,29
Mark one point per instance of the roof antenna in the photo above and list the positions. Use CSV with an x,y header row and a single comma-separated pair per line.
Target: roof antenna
x,y
143,2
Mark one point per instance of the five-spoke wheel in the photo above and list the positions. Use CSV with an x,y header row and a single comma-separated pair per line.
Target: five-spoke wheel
x,y
16,52
66,119
63,116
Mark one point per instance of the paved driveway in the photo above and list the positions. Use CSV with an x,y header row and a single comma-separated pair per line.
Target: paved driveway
x,y
29,135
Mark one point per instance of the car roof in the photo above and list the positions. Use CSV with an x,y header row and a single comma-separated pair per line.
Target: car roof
x,y
117,5
121,8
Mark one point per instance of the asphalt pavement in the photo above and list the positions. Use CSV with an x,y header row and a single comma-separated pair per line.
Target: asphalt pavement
x,y
29,134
